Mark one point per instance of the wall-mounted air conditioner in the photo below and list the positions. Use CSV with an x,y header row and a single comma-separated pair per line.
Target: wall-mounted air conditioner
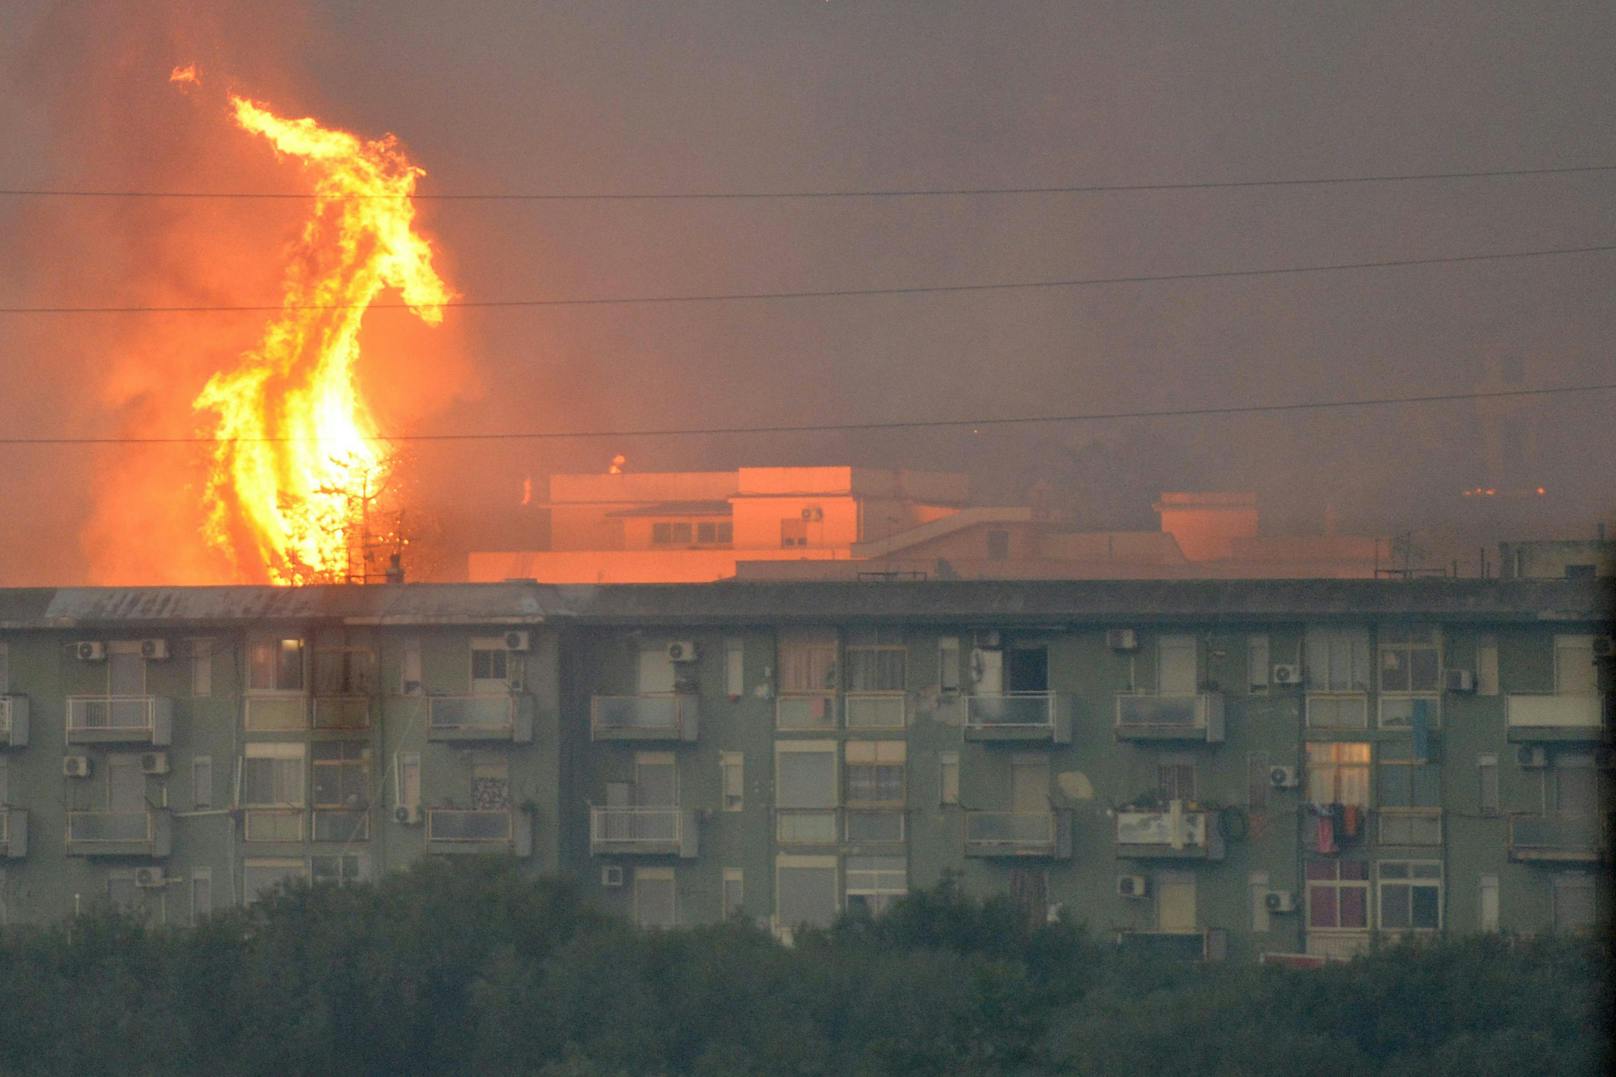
x,y
682,650
409,814
1133,886
1532,756
1284,777
156,649
150,878
1459,680
517,641
90,650
611,875
1280,901
75,766
1287,674
154,763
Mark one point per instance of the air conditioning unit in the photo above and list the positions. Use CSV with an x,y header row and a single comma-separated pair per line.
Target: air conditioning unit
x,y
682,650
75,766
1133,886
812,513
1284,777
1280,901
90,650
154,763
611,875
1603,647
1532,756
1122,639
1288,674
409,815
150,878
516,641
154,648
1459,680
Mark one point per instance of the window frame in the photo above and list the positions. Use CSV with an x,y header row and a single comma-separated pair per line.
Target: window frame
x,y
1337,885
1316,768
277,690
1410,882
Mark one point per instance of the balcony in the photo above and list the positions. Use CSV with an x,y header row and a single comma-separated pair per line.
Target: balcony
x,y
120,720
1554,718
281,712
806,826
272,824
1563,839
341,824
810,713
1046,834
13,833
147,833
1018,717
876,710
666,831
13,721
1210,944
495,716
341,712
460,830
1175,834
1194,719
659,716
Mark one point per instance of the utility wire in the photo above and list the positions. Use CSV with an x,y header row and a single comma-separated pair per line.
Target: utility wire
x,y
829,293
875,192
820,428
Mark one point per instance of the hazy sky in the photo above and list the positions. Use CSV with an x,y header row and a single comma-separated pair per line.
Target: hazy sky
x,y
605,97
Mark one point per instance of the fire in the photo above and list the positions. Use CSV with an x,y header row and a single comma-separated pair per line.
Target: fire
x,y
183,76
299,461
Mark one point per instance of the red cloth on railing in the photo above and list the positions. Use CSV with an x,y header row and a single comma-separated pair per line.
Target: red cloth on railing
x,y
1326,834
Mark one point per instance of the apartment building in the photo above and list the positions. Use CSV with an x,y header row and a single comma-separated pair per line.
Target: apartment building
x,y
1208,768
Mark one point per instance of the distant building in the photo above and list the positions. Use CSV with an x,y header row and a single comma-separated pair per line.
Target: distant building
x,y
1557,559
846,523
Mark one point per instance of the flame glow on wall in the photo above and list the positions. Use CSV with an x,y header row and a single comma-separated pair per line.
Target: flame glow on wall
x,y
299,459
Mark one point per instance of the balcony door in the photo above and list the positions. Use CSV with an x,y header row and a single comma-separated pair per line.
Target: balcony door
x,y
1175,902
656,674
656,783
1029,669
1175,666
1029,785
126,676
126,783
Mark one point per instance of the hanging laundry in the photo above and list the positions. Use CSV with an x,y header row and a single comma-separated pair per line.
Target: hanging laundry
x,y
1326,834
1351,821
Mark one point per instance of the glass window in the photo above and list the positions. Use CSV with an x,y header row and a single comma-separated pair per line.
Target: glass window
x,y
1337,659
491,785
1176,781
654,897
1487,779
337,869
341,774
201,893
490,663
948,665
202,781
875,882
876,669
806,777
1409,659
344,671
275,665
735,668
734,897
259,876
948,765
201,668
1338,894
1410,895
1338,773
808,666
1487,665
1488,896
1407,785
875,772
272,776
805,891
733,775
409,672
1574,673
1257,663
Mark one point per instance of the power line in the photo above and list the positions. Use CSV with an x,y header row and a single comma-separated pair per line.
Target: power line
x,y
833,293
875,192
819,428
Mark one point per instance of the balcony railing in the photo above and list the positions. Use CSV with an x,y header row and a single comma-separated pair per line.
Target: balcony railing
x,y
649,716
816,711
13,721
1562,838
13,833
1017,716
1172,834
272,824
461,830
1209,944
876,710
351,711
806,826
120,720
341,824
147,833
1008,833
660,831
874,827
1554,718
492,716
1178,718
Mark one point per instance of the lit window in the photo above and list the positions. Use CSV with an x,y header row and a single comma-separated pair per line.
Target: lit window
x,y
275,665
1338,773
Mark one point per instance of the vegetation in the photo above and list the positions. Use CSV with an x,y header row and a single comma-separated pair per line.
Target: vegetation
x,y
469,967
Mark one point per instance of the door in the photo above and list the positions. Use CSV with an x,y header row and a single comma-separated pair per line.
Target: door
x,y
655,671
987,671
126,784
1029,786
1175,666
655,782
1175,903
1029,670
126,678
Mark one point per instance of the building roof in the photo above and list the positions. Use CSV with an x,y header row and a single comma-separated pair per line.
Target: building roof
x,y
677,508
998,602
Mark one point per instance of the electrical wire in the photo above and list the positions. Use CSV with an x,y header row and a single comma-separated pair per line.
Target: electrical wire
x,y
832,293
818,428
875,192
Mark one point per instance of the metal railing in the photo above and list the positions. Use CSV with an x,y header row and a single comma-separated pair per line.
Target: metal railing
x,y
805,826
1010,829
469,825
1556,837
490,715
660,715
636,826
90,828
816,711
272,824
1181,717
1583,713
1011,710
110,717
876,710
341,712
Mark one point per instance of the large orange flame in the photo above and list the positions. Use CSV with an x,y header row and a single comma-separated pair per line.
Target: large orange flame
x,y
298,454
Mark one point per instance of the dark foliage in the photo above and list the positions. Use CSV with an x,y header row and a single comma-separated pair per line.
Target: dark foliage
x,y
469,967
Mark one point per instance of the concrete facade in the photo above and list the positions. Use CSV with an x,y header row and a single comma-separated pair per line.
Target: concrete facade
x,y
1202,767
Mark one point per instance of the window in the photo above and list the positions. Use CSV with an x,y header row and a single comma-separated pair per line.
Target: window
x,y
808,665
735,668
344,671
1337,659
202,781
654,897
948,767
879,827
275,665
272,776
1177,673
262,875
720,534
793,532
875,882
341,774
731,766
1410,894
875,771
491,785
1487,781
1257,887
407,780
805,791
1409,797
201,668
409,670
1257,663
1338,895
489,662
337,869
1409,659
1338,773
948,665
122,892
876,669
998,545
201,893
5,670
1574,908
1574,673
1257,781
805,891
671,533
734,893
1176,781
1487,665
1487,919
